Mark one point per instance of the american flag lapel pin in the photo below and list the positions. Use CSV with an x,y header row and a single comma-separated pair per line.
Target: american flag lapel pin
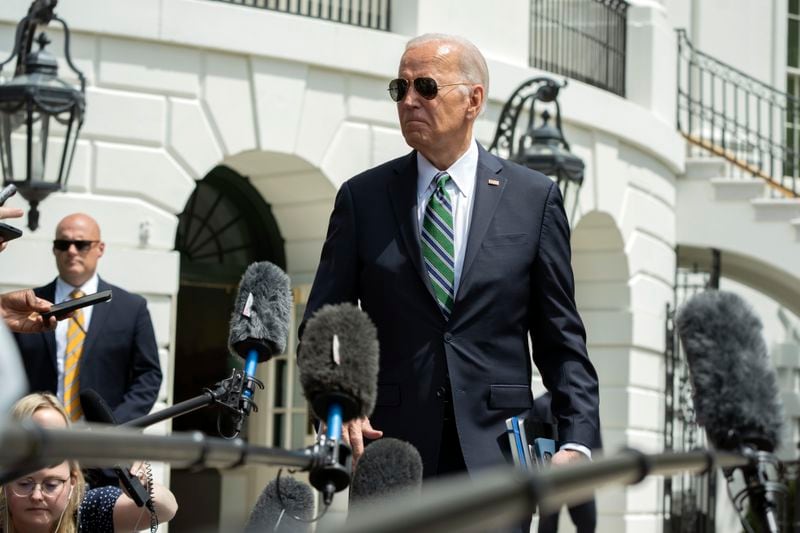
x,y
494,182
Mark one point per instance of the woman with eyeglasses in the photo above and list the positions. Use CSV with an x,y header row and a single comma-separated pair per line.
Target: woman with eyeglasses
x,y
55,499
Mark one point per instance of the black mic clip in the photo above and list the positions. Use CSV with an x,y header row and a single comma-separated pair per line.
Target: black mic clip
x,y
235,394
762,487
330,470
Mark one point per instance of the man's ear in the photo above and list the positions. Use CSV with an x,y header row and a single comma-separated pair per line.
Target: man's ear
x,y
101,247
477,96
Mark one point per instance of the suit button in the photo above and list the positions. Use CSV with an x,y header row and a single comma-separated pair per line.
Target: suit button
x,y
448,338
440,392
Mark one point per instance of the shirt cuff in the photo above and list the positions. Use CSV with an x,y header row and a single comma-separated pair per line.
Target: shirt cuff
x,y
578,448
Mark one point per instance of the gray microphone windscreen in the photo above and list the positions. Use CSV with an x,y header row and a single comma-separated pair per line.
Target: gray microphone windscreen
x,y
736,395
338,357
388,466
274,513
261,313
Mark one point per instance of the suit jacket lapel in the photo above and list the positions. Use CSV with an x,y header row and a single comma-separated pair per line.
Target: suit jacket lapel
x,y
487,197
48,292
99,316
403,195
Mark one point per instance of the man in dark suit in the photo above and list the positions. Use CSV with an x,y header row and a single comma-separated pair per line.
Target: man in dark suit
x,y
457,256
109,347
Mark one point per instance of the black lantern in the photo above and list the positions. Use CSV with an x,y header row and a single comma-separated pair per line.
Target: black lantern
x,y
34,104
543,147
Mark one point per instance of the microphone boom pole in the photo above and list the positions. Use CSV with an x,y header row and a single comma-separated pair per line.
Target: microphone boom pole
x,y
226,394
503,495
26,443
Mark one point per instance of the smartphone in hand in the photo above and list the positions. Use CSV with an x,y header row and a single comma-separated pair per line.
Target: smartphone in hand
x,y
64,308
9,233
543,451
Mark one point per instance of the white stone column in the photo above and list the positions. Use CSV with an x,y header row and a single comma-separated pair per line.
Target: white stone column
x,y
651,55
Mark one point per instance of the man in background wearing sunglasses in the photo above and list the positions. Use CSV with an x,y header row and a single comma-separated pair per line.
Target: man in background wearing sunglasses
x,y
109,347
457,256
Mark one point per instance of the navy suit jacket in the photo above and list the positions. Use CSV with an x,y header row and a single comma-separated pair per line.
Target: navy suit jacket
x,y
516,279
120,356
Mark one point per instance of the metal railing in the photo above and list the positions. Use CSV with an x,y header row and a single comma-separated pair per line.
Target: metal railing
x,y
582,39
726,113
689,500
374,14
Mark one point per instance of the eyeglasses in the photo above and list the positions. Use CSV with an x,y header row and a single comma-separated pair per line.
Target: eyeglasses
x,y
63,245
425,87
50,487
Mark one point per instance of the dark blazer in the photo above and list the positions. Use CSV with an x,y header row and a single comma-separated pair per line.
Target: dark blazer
x,y
516,279
120,356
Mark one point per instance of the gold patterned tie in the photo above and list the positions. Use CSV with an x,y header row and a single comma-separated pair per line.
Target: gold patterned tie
x,y
76,334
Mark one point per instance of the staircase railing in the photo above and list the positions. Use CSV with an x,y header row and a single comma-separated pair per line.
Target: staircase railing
x,y
727,113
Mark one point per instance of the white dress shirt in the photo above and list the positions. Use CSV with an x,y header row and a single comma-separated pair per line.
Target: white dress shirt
x,y
461,189
63,289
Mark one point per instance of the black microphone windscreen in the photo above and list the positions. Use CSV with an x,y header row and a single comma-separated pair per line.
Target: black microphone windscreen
x,y
388,466
95,408
338,356
736,395
273,513
261,313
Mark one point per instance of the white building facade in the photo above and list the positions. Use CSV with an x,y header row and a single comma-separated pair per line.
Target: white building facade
x,y
247,120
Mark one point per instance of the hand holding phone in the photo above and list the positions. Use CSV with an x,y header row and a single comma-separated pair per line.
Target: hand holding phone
x,y
64,308
20,310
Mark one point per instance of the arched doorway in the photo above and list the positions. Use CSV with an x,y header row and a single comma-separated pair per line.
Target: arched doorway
x,y
225,227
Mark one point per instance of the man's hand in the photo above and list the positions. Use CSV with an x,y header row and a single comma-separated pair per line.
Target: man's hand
x,y
567,457
354,433
21,312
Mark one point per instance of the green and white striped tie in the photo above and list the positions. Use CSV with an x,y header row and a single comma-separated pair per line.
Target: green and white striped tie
x,y
437,244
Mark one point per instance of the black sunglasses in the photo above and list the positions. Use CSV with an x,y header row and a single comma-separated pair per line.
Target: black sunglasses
x,y
63,245
425,87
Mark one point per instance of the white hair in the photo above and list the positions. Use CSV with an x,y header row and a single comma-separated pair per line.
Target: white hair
x,y
472,63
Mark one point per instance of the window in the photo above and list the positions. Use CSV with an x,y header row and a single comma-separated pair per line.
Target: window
x,y
287,408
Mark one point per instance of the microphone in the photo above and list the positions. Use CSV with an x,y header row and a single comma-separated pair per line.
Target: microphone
x,y
389,466
259,325
338,363
736,396
95,409
261,313
279,511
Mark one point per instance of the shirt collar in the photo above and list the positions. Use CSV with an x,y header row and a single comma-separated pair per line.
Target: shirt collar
x,y
462,172
63,289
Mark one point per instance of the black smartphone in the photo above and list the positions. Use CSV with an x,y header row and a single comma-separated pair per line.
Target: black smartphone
x,y
9,233
133,486
61,310
543,451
